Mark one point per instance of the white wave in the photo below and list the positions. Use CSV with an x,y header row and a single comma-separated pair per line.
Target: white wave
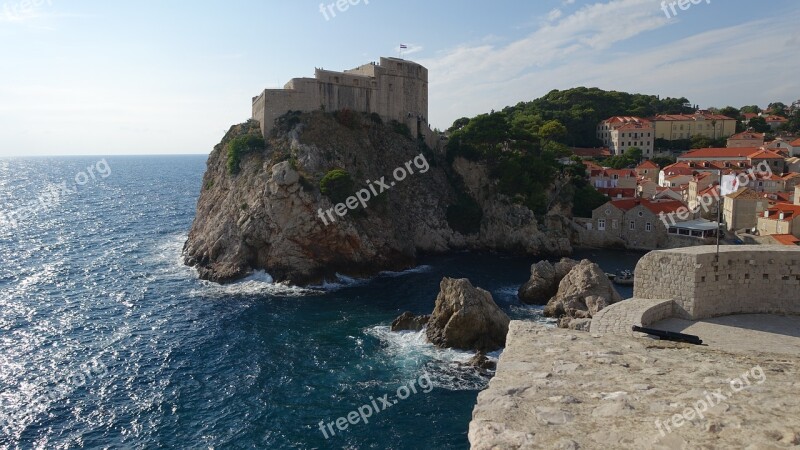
x,y
447,368
341,282
419,269
258,283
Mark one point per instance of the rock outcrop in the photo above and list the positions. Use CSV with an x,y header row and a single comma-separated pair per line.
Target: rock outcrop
x,y
467,318
261,209
409,322
581,294
543,284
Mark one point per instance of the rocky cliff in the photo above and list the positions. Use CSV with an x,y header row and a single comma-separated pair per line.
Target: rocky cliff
x,y
262,206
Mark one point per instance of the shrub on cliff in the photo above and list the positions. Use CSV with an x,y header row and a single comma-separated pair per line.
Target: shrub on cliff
x,y
465,215
241,145
337,185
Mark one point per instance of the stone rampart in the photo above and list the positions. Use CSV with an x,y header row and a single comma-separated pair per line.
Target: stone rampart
x,y
743,280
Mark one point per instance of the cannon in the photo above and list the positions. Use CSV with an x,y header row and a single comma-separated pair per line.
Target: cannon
x,y
670,335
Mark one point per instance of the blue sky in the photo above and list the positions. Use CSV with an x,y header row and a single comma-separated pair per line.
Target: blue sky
x,y
91,77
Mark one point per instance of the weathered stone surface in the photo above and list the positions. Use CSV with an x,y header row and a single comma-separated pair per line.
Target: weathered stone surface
x,y
558,388
466,317
409,322
543,283
481,361
584,292
267,216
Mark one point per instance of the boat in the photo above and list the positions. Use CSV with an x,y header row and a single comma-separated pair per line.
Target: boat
x,y
625,278
611,276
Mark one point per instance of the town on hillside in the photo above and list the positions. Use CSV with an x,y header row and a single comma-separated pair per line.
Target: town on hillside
x,y
738,183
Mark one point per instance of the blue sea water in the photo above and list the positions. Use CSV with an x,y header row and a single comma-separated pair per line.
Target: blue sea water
x,y
108,341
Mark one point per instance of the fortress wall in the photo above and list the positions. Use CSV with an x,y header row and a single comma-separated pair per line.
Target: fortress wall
x,y
746,280
396,90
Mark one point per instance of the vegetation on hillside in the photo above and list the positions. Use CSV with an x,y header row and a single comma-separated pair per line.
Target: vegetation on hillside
x,y
337,185
241,145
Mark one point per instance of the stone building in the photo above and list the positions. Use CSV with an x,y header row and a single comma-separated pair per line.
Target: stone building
x,y
395,89
632,223
620,133
741,209
747,139
701,123
782,218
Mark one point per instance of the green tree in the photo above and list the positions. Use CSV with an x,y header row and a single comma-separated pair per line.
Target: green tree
x,y
553,130
759,124
337,185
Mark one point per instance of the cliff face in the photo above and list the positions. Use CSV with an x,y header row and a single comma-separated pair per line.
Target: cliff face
x,y
269,213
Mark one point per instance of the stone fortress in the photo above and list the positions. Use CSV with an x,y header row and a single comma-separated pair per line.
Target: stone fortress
x,y
395,89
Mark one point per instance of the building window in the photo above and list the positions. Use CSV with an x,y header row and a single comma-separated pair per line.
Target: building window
x,y
648,227
641,214
632,225
601,224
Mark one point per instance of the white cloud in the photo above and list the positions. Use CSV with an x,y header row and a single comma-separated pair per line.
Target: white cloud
x,y
554,14
725,66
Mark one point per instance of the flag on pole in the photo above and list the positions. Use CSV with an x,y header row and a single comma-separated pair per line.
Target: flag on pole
x,y
403,46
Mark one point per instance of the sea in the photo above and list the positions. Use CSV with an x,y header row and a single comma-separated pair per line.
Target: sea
x,y
107,341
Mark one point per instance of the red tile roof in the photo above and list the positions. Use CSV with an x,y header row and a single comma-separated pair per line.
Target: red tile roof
x,y
679,117
789,211
648,165
795,143
764,154
749,135
711,153
748,116
591,152
776,119
618,192
785,239
656,206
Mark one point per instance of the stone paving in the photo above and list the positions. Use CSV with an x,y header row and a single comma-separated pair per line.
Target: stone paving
x,y
565,389
746,333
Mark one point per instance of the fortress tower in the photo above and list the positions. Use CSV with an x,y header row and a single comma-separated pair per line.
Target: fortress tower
x,y
395,89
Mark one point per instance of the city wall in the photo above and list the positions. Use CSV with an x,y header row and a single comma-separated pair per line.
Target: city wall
x,y
744,280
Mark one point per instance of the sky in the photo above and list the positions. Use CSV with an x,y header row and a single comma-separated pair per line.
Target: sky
x,y
85,77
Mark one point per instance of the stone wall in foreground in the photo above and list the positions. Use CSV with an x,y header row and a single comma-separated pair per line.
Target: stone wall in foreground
x,y
745,280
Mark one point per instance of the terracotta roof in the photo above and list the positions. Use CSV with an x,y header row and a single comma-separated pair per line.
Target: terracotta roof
x,y
785,239
748,135
656,206
749,116
789,211
745,194
795,143
635,126
765,154
622,173
681,117
724,152
648,165
775,119
618,192
622,120
591,152
711,190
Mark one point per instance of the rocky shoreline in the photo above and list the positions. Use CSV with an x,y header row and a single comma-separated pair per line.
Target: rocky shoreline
x,y
260,210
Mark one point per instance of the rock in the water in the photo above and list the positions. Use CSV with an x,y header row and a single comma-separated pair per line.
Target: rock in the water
x,y
481,361
410,322
581,294
544,281
467,318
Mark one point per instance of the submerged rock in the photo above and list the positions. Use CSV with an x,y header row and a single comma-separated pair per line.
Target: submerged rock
x,y
467,318
409,322
581,294
481,361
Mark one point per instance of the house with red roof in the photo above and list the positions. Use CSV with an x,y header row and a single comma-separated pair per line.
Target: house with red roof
x,y
620,133
702,123
746,139
648,169
740,209
775,121
594,153
632,223
781,218
785,239
614,178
